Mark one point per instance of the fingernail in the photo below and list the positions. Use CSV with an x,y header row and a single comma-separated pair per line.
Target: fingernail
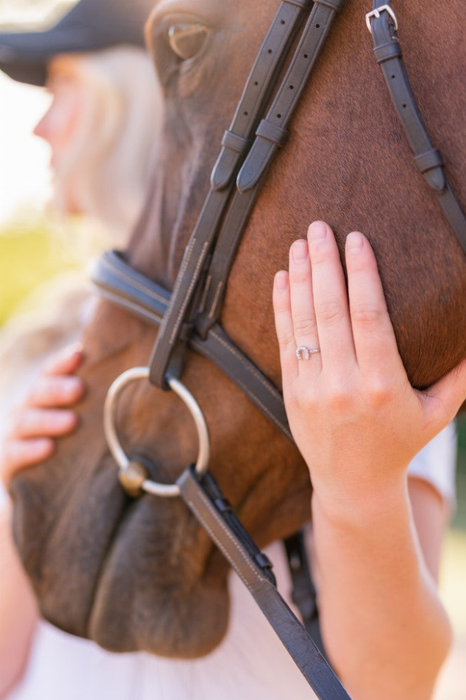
x,y
281,280
43,446
73,349
73,385
299,251
354,242
65,419
318,231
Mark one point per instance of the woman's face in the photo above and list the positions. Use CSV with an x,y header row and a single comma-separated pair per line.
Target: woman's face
x,y
60,123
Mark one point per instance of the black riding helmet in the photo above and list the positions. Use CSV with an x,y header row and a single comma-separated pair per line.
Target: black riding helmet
x,y
91,25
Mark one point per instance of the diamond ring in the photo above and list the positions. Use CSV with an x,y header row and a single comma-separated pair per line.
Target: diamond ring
x,y
304,353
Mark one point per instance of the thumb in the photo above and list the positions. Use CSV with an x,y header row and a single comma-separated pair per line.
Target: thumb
x,y
444,398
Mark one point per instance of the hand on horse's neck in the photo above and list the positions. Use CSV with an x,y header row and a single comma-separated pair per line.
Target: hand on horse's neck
x,y
347,162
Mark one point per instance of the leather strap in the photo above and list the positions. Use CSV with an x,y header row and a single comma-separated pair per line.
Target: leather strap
x,y
192,269
303,593
388,54
238,139
256,93
271,135
206,502
128,289
151,302
125,287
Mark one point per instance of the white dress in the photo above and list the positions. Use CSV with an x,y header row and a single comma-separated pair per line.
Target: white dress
x,y
250,663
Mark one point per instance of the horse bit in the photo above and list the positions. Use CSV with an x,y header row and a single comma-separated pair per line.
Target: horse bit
x,y
188,318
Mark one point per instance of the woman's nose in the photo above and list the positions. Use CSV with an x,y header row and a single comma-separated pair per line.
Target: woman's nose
x,y
41,129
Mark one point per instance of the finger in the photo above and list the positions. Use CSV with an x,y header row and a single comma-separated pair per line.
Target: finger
x,y
374,339
284,325
444,399
330,302
65,362
39,422
302,304
20,454
56,392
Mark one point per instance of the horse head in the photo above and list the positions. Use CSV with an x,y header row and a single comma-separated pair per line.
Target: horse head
x,y
142,574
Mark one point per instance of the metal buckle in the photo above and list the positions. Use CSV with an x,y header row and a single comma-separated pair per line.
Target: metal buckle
x,y
376,14
128,472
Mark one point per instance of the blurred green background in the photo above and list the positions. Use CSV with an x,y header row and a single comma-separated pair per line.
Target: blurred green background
x,y
29,255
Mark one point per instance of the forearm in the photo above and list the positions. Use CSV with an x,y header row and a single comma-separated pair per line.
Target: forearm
x,y
18,613
383,624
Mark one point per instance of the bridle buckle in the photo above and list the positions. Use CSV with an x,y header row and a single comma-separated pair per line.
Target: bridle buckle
x,y
376,13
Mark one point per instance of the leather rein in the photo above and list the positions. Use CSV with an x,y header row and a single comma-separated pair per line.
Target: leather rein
x,y
188,317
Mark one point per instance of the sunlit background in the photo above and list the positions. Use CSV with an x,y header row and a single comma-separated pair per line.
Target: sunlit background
x,y
24,176
31,251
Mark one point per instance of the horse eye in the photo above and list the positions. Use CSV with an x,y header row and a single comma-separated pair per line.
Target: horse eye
x,y
187,40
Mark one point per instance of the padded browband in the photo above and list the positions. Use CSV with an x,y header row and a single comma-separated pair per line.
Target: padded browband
x,y
388,54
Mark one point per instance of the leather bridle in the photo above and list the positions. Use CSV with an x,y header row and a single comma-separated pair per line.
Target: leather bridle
x,y
188,317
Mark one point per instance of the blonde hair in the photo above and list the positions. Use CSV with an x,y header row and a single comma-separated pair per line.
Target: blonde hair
x,y
108,163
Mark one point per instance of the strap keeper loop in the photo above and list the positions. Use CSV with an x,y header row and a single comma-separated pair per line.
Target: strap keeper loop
x,y
333,4
263,561
223,505
186,332
272,133
302,4
429,161
385,52
235,143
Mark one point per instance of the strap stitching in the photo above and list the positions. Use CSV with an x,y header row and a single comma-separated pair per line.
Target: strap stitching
x,y
125,277
254,397
126,303
268,63
227,532
250,368
193,282
218,292
219,544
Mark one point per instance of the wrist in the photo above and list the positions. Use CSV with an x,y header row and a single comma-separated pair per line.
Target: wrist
x,y
358,508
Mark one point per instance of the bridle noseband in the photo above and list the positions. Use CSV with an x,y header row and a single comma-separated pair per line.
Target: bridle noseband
x,y
188,318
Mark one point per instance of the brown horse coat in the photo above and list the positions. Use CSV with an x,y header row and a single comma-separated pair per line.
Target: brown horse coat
x,y
143,575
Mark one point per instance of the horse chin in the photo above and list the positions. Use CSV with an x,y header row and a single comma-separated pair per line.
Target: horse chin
x,y
173,624
166,595
142,575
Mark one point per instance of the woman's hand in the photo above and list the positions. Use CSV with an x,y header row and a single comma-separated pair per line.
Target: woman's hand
x,y
44,415
354,416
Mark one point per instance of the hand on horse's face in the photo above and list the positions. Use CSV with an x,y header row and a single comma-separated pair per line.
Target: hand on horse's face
x,y
354,415
44,415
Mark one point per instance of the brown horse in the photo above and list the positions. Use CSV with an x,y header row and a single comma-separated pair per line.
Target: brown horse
x,y
143,574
